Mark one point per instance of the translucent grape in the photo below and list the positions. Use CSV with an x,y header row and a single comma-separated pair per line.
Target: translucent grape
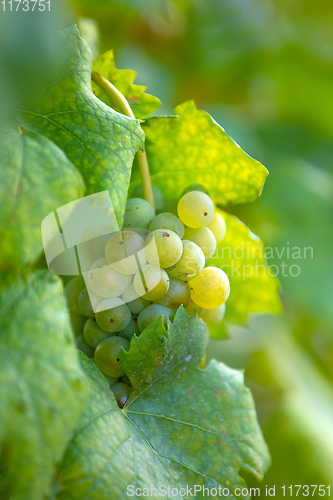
x,y
115,318
158,196
130,330
107,358
93,334
204,238
82,346
218,227
191,262
121,392
135,303
153,312
138,213
99,245
178,293
151,283
192,308
72,291
210,288
121,250
213,316
105,281
167,220
195,209
169,247
84,304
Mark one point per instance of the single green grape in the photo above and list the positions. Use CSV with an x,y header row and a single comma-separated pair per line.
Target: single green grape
x,y
158,196
121,251
192,308
93,334
113,315
72,291
121,392
178,294
195,187
135,303
151,283
210,288
82,346
213,316
107,358
106,282
218,227
167,220
77,322
169,247
195,209
126,380
153,312
204,238
191,262
130,330
84,304
111,380
138,213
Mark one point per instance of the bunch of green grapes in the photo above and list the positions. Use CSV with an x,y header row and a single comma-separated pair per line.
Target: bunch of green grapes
x,y
155,265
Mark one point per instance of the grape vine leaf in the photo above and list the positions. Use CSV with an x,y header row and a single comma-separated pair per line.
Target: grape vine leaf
x,y
36,178
192,145
181,426
42,386
142,104
100,142
253,287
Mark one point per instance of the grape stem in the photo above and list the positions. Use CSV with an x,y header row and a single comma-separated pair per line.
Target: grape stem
x,y
117,100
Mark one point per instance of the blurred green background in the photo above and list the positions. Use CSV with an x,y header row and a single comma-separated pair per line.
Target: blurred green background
x,y
264,70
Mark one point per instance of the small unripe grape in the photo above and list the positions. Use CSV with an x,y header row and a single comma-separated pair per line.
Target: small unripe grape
x,y
138,213
107,356
153,312
130,330
72,291
121,250
93,334
115,318
105,281
213,316
178,293
84,304
191,262
77,322
167,220
111,380
121,392
218,227
82,346
204,238
192,308
99,245
126,380
195,209
169,247
210,288
151,283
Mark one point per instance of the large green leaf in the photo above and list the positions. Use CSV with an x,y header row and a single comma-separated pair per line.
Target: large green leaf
x,y
181,426
35,178
42,387
253,286
99,141
141,103
192,147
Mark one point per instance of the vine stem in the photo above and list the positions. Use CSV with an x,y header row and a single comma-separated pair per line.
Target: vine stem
x,y
120,102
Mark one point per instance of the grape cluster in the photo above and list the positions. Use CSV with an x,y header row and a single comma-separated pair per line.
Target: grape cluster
x,y
134,288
